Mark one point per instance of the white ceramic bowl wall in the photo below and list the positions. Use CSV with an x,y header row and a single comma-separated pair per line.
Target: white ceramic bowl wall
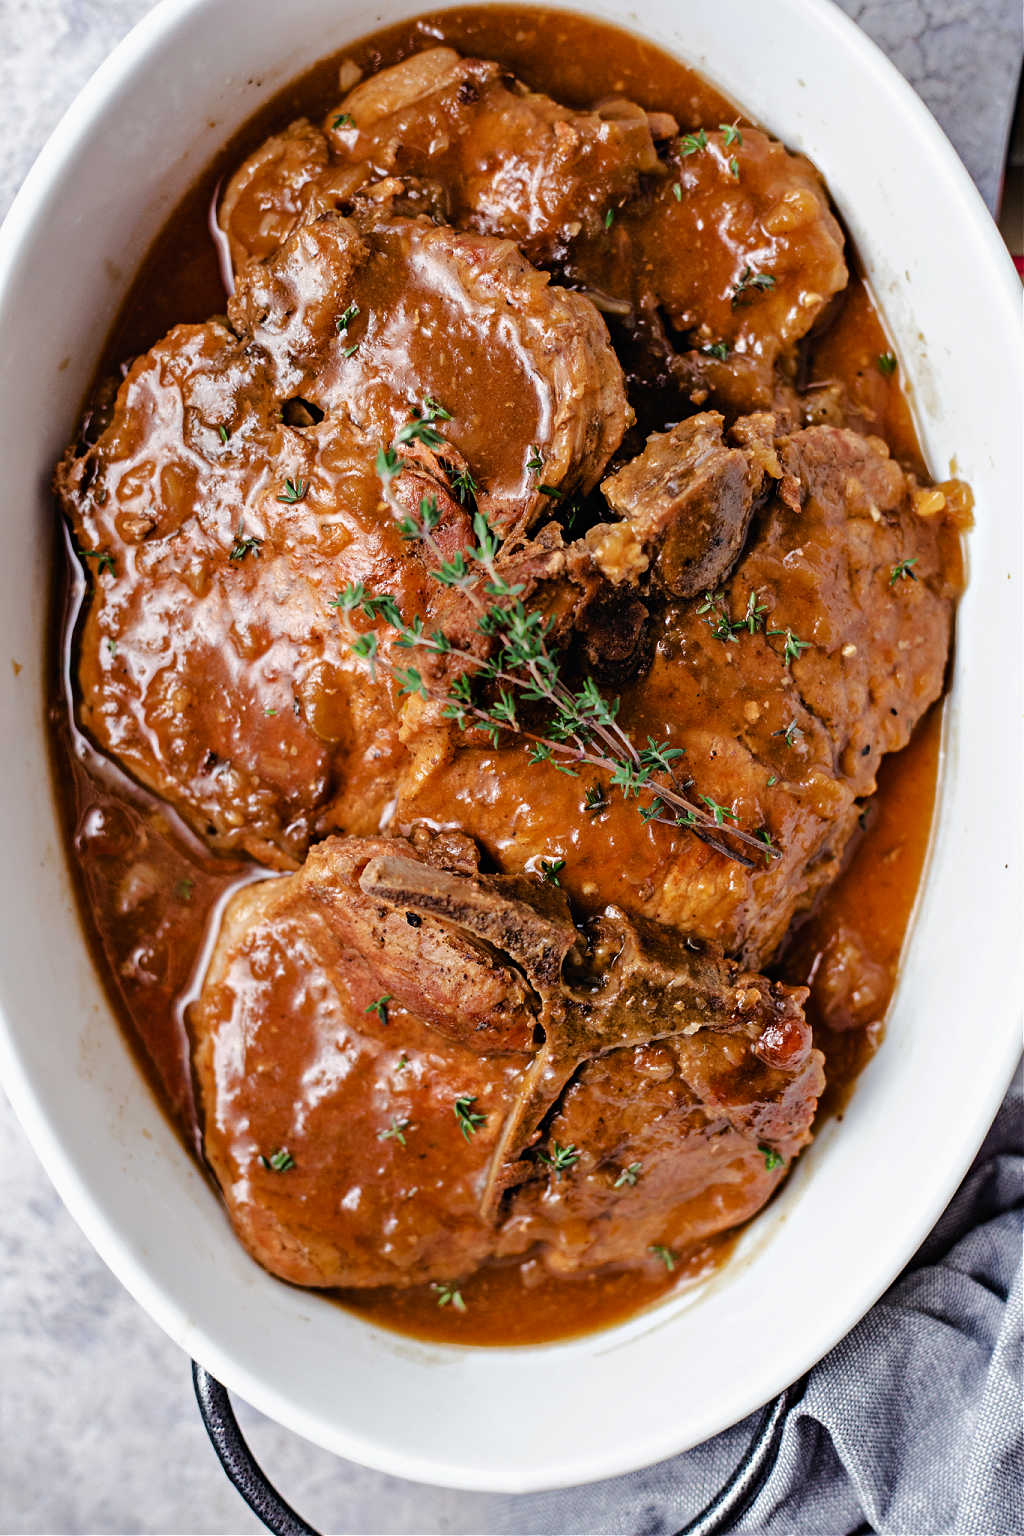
x,y
869,1189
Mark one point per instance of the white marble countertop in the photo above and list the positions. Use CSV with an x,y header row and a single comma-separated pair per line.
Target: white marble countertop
x,y
98,1426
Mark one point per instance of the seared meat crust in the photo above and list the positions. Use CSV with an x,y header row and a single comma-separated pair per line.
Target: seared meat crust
x,y
686,502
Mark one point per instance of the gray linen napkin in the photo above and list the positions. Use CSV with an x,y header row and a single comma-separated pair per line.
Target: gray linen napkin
x,y
911,1426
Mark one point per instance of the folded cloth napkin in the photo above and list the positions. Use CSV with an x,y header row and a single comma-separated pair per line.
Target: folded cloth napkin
x,y
911,1426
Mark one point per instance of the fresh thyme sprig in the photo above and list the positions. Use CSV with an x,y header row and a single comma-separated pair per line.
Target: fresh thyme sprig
x,y
501,692
713,611
419,430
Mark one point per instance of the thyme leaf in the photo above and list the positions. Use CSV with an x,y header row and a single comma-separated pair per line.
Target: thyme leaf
x,y
294,490
793,646
465,487
245,546
396,1132
448,1295
419,430
750,282
105,561
788,732
595,800
468,1118
559,1159
902,571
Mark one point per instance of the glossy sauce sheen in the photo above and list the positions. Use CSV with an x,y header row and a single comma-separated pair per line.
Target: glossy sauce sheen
x,y
151,892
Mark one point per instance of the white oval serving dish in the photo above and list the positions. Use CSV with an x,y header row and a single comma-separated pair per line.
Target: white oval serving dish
x,y
869,1189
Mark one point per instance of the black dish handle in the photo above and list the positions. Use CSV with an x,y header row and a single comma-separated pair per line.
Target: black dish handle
x,y
720,1515
238,1461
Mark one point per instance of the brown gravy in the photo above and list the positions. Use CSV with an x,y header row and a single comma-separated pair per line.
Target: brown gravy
x,y
150,892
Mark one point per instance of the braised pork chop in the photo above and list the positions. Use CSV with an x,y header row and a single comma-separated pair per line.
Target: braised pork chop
x,y
501,159
677,1139
235,491
380,1037
719,267
522,368
784,687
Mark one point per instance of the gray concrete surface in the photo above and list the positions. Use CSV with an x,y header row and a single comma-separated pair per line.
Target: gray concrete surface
x,y
98,1427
